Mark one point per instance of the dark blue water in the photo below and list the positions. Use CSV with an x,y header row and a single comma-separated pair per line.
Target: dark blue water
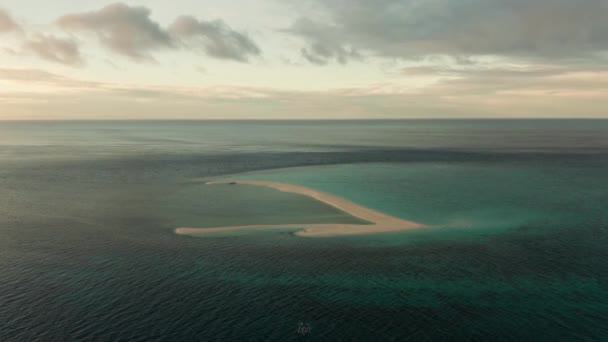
x,y
87,250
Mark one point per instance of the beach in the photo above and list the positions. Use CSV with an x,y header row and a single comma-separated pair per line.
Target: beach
x,y
378,222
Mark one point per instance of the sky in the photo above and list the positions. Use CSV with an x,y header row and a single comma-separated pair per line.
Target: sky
x,y
303,59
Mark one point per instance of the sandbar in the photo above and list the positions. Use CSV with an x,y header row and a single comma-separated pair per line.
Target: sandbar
x,y
378,222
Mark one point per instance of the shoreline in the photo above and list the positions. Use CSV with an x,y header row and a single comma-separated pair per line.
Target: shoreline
x,y
378,222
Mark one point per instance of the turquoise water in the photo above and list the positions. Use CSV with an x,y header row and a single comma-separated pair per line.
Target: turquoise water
x,y
516,252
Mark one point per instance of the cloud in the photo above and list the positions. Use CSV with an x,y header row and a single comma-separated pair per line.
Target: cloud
x,y
125,30
216,38
543,81
29,76
54,82
7,23
325,44
516,93
131,32
50,48
413,28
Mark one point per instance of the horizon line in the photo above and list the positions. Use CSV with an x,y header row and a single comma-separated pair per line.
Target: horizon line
x,y
308,120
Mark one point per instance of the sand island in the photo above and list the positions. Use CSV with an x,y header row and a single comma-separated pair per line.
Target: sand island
x,y
378,222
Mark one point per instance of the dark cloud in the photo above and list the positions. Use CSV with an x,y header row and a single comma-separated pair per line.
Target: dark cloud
x,y
50,48
123,29
325,44
414,28
216,38
7,23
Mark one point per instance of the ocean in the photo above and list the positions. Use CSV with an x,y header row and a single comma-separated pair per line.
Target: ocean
x,y
516,249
